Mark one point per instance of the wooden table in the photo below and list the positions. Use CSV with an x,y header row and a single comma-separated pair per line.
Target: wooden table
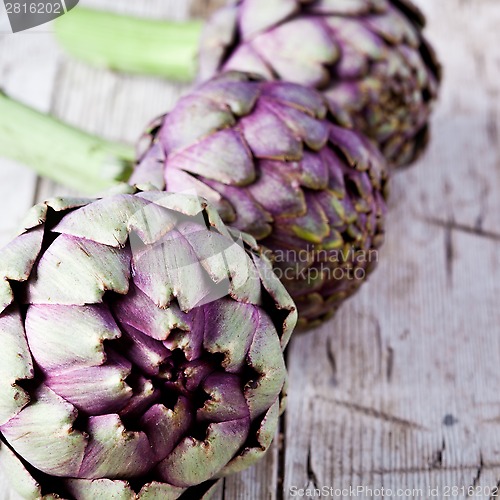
x,y
402,389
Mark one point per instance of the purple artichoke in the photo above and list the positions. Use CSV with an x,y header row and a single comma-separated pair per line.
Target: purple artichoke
x,y
369,58
142,349
267,157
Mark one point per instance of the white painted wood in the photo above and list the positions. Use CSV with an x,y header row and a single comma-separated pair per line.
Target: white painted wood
x,y
401,389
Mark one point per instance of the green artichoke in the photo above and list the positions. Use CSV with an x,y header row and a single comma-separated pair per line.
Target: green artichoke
x,y
267,157
141,349
369,57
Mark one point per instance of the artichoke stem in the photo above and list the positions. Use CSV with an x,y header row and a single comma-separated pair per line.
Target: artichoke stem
x,y
131,45
60,152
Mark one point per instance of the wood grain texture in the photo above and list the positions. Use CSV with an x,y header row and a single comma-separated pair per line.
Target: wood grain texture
x,y
401,389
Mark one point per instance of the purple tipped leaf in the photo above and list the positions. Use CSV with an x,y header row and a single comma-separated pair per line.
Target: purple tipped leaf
x,y
161,491
314,172
77,271
215,158
62,337
353,147
180,181
184,203
171,269
335,166
97,390
358,37
268,137
16,262
150,171
43,434
145,352
166,427
394,28
276,290
313,227
263,357
140,312
113,451
222,442
239,98
216,35
276,190
193,119
232,331
21,480
104,221
257,15
15,364
265,436
85,489
334,210
150,224
312,132
226,401
299,51
145,395
250,216
296,96
190,342
38,214
245,57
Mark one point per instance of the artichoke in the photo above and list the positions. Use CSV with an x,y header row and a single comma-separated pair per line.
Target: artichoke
x,y
141,349
267,157
369,57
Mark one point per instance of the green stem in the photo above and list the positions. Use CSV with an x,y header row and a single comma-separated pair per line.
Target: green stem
x,y
130,44
60,152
